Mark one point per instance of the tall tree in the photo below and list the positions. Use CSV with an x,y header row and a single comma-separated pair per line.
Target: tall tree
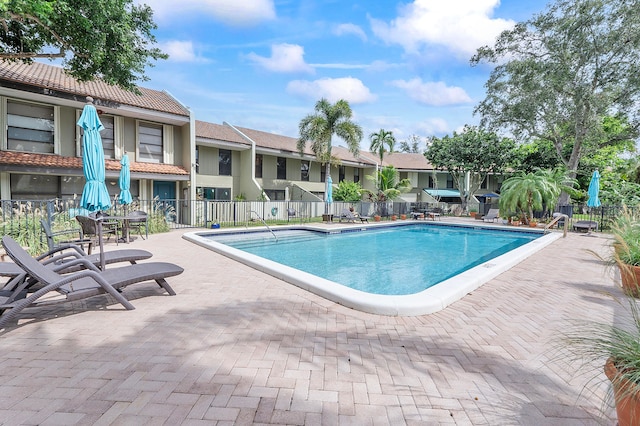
x,y
411,145
318,129
469,157
561,72
380,141
107,39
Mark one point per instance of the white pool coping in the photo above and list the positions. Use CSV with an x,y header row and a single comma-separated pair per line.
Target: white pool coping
x,y
433,299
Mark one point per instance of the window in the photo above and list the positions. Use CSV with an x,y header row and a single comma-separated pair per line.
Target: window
x,y
356,175
341,173
304,170
275,194
323,173
221,194
449,181
197,159
108,136
432,183
281,168
30,127
35,187
46,187
483,185
224,162
150,142
258,165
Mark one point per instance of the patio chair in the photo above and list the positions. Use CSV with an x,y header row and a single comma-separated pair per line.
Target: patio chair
x,y
492,215
90,229
137,220
56,238
81,284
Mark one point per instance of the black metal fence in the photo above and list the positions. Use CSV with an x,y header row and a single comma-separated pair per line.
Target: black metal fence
x,y
21,218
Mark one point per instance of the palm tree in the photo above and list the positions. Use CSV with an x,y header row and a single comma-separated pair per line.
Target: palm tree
x,y
527,192
390,186
319,128
380,140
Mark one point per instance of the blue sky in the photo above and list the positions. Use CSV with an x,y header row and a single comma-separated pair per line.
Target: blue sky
x,y
263,64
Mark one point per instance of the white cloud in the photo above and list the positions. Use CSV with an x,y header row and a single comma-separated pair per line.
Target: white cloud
x,y
432,93
462,26
333,89
284,58
180,51
433,126
350,29
229,12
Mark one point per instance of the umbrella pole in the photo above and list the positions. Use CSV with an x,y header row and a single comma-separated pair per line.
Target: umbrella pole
x,y
101,243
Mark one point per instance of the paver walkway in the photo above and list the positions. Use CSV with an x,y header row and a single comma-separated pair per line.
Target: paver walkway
x,y
236,346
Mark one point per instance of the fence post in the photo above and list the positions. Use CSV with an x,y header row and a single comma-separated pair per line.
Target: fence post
x,y
50,211
205,210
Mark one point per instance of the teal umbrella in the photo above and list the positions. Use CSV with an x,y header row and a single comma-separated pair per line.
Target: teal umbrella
x,y
594,190
125,181
329,198
95,196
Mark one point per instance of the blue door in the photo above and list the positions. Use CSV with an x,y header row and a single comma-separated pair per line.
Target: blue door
x,y
166,195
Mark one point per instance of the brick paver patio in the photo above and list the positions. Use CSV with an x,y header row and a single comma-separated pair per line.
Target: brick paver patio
x,y
236,346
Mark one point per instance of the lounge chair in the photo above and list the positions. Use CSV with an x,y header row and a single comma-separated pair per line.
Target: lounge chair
x,y
492,215
350,216
586,225
65,253
78,285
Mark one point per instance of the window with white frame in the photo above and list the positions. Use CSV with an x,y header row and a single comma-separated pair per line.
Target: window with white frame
x,y
150,138
30,127
304,170
108,136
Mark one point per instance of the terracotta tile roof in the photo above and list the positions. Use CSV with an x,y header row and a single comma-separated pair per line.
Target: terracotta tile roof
x,y
218,132
54,78
58,162
273,141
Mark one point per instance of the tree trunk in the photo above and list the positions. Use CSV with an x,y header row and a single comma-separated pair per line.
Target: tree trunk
x,y
326,184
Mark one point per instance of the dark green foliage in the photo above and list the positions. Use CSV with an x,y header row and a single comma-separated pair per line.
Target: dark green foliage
x,y
107,39
348,191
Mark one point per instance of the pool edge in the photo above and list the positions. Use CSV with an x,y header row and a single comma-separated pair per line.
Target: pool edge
x,y
428,301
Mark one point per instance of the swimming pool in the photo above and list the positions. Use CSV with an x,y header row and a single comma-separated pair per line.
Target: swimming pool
x,y
406,260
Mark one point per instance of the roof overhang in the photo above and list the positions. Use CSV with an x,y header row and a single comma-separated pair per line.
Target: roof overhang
x,y
37,94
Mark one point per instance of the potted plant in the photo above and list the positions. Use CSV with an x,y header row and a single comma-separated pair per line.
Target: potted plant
x,y
376,217
626,251
394,217
618,348
403,216
473,213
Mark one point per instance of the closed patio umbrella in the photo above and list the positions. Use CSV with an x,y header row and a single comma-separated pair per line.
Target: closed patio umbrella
x,y
124,180
95,196
329,198
593,192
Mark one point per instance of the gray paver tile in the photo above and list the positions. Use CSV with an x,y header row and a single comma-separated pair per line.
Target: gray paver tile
x,y
238,346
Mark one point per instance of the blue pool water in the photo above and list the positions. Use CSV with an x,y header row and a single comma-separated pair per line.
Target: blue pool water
x,y
390,261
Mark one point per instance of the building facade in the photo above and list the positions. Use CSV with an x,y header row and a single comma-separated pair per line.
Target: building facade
x,y
172,155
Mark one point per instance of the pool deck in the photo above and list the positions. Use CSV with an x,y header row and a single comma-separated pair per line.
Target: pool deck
x,y
237,346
